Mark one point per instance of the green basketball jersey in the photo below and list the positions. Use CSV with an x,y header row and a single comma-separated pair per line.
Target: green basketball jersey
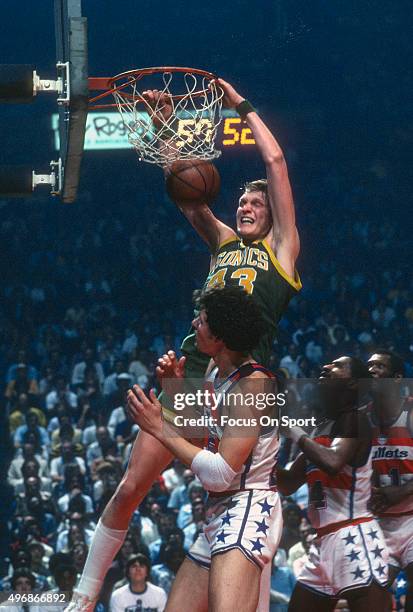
x,y
256,269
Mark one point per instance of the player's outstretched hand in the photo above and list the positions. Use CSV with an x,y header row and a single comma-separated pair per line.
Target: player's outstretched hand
x,y
169,371
170,366
159,106
145,411
231,97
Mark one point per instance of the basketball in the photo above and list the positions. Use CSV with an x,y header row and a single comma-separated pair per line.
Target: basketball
x,y
192,180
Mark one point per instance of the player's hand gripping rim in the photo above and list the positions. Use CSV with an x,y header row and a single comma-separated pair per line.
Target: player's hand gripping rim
x,y
159,105
231,97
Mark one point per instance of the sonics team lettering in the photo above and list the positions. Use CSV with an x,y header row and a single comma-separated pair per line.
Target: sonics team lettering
x,y
249,256
255,268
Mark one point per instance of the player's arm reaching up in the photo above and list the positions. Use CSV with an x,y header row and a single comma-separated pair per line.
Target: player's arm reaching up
x,y
282,233
283,236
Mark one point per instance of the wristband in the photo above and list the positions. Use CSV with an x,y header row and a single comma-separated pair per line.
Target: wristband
x,y
243,108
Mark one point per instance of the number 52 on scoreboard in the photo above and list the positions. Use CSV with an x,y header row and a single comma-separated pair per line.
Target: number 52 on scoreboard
x,y
236,133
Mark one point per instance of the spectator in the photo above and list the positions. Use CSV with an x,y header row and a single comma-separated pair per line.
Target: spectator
x,y
31,427
171,556
195,490
67,457
289,362
88,361
38,557
198,517
179,495
12,372
103,446
31,467
166,522
22,582
20,410
110,383
27,452
139,592
76,489
61,393
282,585
21,384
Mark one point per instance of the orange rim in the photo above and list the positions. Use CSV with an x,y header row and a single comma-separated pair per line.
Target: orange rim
x,y
115,84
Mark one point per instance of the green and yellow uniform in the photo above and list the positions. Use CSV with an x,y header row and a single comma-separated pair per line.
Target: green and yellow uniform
x,y
256,269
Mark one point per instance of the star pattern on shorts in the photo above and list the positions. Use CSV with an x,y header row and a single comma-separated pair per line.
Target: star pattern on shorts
x,y
354,555
256,545
265,506
381,569
349,539
226,520
377,551
373,534
262,526
221,536
358,573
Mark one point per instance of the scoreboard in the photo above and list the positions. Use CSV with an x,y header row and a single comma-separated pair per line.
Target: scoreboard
x,y
106,130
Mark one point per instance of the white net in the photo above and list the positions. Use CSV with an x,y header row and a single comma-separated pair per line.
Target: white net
x,y
189,132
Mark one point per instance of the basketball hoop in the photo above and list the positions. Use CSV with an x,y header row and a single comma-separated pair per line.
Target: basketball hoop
x,y
188,133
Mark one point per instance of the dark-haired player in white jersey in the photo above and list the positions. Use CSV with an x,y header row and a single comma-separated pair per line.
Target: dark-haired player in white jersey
x,y
237,467
392,500
336,462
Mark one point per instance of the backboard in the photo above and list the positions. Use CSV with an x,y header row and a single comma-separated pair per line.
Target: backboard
x,y
72,60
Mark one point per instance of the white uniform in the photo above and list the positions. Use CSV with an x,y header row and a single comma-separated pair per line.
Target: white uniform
x,y
393,464
350,551
248,515
152,599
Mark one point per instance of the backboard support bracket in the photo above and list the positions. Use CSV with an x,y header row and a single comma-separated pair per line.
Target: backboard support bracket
x,y
60,86
54,179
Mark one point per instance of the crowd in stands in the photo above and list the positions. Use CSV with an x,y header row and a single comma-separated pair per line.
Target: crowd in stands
x,y
74,339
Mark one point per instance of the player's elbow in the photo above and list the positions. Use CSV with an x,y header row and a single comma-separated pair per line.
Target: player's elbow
x,y
274,158
213,471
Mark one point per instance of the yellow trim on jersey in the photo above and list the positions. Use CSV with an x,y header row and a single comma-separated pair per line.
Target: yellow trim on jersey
x,y
168,415
227,241
294,282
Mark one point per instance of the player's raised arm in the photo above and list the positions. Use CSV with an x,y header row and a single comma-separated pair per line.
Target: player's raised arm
x,y
283,236
205,223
